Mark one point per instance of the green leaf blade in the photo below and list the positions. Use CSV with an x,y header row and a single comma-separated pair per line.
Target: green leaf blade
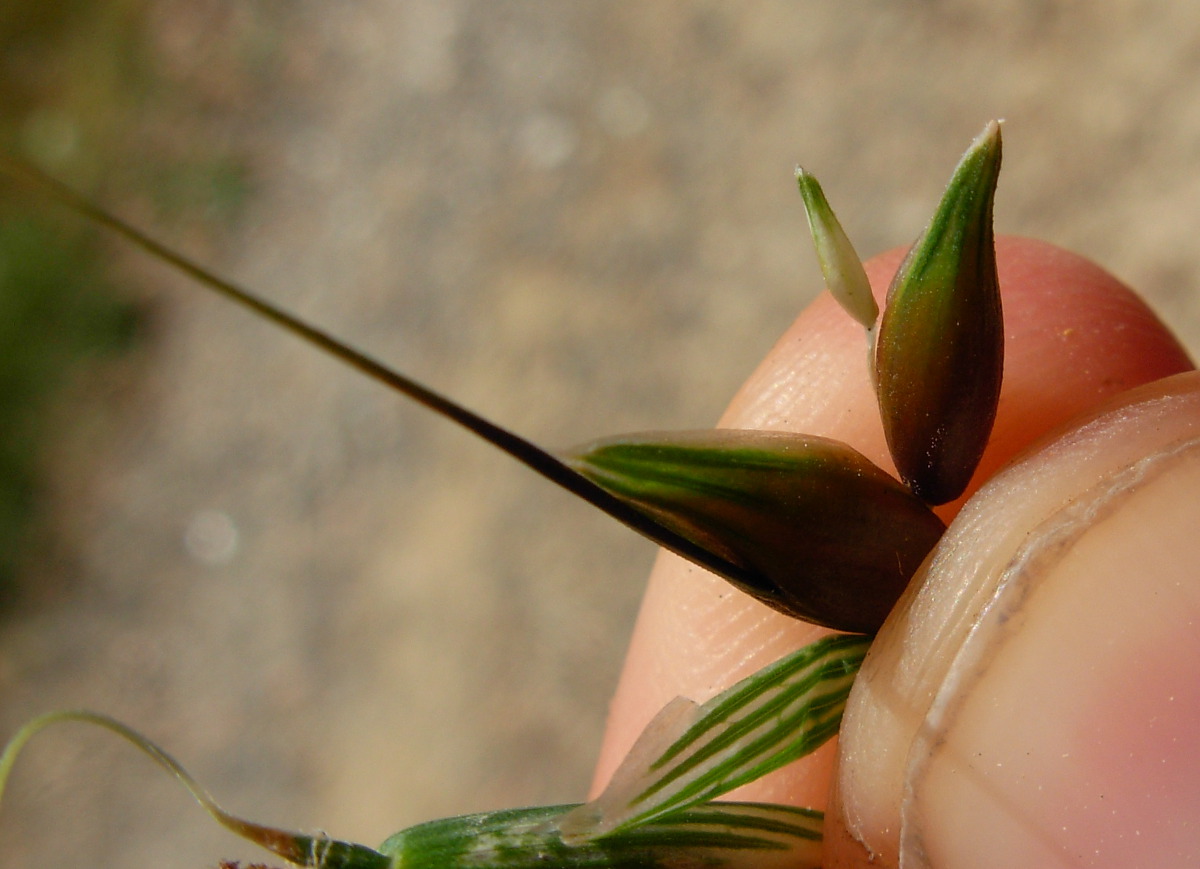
x,y
720,835
777,715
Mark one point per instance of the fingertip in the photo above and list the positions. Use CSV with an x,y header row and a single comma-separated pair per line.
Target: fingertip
x,y
1028,701
1075,335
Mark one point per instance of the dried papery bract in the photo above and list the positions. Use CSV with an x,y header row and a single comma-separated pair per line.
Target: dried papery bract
x,y
823,534
940,347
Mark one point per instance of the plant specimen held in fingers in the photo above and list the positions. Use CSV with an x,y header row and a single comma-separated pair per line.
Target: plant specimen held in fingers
x,y
805,524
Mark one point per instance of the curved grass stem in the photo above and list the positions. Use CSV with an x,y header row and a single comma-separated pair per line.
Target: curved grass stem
x,y
298,848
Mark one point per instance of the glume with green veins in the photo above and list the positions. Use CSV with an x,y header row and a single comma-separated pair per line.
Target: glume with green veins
x,y
805,524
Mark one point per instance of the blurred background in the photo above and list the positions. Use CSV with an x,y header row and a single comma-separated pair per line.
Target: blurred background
x,y
577,218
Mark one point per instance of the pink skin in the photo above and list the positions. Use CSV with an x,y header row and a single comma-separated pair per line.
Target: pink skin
x,y
1031,699
1075,338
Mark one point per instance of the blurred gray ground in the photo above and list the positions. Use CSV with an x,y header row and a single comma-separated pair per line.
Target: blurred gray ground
x,y
578,218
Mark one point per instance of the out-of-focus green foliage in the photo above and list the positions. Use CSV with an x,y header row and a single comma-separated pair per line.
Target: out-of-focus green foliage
x,y
61,97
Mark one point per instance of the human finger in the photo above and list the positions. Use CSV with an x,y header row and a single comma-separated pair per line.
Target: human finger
x,y
695,635
1032,700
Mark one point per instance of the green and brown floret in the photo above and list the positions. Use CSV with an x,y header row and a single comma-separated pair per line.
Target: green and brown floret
x,y
939,354
825,535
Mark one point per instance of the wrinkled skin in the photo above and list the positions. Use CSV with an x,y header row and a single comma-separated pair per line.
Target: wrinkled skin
x,y
1032,700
